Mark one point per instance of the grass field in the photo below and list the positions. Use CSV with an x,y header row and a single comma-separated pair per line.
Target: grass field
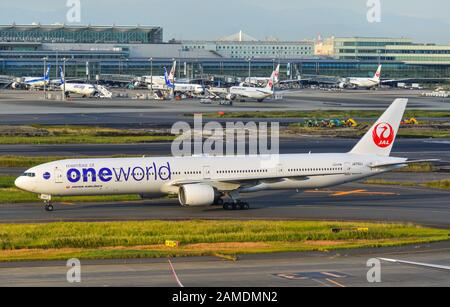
x,y
82,139
442,184
418,168
76,135
16,196
146,239
404,132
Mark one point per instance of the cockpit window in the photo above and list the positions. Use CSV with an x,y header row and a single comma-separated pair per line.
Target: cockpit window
x,y
32,175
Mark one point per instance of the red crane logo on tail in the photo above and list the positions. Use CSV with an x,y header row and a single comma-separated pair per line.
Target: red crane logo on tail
x,y
383,135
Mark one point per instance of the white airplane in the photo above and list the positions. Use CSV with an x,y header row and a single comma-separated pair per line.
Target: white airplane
x,y
206,180
34,82
257,93
182,88
363,82
83,89
252,92
159,82
263,80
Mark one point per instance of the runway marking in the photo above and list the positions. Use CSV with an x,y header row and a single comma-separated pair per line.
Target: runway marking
x,y
331,274
67,204
346,193
322,283
335,283
353,192
175,274
418,264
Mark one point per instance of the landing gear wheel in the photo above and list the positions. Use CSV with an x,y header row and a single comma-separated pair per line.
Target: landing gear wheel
x,y
49,207
228,206
240,206
219,202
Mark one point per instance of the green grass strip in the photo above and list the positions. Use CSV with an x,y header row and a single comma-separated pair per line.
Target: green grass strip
x,y
146,239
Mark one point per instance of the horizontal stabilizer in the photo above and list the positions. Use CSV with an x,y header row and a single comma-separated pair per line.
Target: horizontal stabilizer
x,y
404,163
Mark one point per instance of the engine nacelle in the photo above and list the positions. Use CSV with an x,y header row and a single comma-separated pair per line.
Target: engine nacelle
x,y
231,97
197,195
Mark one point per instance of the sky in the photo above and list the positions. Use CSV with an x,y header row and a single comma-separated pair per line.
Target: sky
x,y
424,21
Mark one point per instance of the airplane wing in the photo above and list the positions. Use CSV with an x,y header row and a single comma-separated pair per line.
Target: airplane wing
x,y
403,163
411,80
234,183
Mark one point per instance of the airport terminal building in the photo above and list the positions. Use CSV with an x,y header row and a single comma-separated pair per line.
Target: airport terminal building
x,y
90,51
243,46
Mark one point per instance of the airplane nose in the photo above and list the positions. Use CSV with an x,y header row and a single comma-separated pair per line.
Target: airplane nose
x,y
20,183
23,183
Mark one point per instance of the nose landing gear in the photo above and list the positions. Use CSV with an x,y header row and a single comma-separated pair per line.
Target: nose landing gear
x,y
48,206
47,202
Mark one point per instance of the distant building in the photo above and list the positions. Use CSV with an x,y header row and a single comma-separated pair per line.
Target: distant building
x,y
60,33
242,46
383,49
137,51
420,54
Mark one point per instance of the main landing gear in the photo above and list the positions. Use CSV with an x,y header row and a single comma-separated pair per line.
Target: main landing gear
x,y
239,205
234,205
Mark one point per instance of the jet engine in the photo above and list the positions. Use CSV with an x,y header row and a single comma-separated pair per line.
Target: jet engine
x,y
231,97
342,85
197,195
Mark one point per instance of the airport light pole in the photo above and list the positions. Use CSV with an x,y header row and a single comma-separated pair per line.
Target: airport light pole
x,y
179,60
45,73
151,74
249,69
64,80
57,65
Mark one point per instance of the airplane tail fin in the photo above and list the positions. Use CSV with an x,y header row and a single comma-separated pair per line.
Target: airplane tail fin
x,y
169,83
61,73
270,85
274,78
47,74
173,71
380,139
276,75
377,76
